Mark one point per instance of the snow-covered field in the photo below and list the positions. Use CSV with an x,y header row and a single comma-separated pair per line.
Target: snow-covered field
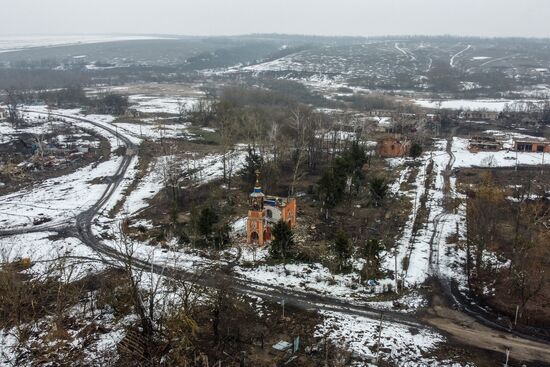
x,y
60,199
200,170
497,105
308,277
47,252
154,131
502,158
16,43
105,120
155,104
35,124
404,346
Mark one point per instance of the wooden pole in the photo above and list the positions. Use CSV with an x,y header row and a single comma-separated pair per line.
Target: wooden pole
x,y
396,281
379,338
542,165
507,357
326,352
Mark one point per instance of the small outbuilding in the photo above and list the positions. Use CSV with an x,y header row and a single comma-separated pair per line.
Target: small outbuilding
x,y
532,145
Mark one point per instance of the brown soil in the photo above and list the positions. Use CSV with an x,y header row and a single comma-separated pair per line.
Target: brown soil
x,y
465,330
505,295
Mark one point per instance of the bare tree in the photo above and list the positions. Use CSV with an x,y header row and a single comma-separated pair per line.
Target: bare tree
x,y
182,110
39,139
12,100
226,122
300,121
171,172
128,262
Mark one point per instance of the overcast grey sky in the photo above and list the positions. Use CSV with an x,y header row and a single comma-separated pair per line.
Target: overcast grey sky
x,y
324,17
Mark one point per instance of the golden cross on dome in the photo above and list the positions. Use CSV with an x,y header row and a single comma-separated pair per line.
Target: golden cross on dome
x,y
257,178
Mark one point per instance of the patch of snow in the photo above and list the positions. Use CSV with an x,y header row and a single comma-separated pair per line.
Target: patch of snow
x,y
407,346
47,252
60,199
154,104
502,158
17,43
496,105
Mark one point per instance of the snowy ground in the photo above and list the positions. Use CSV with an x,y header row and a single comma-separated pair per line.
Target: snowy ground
x,y
156,131
200,170
16,43
405,247
47,253
35,124
60,199
155,104
447,258
431,237
97,350
502,158
497,105
405,346
106,120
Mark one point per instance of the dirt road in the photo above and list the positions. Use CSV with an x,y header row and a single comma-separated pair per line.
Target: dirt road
x,y
466,330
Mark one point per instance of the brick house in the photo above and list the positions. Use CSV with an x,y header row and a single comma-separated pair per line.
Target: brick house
x,y
393,147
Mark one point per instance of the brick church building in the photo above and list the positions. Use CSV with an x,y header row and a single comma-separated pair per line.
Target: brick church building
x,y
264,212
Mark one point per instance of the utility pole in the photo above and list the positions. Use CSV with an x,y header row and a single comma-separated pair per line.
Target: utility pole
x,y
396,281
542,165
507,357
326,351
379,338
516,318
437,258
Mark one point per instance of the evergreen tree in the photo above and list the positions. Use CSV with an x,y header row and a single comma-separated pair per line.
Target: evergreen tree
x,y
205,223
283,241
252,164
330,190
415,151
350,164
343,249
378,188
372,252
209,228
